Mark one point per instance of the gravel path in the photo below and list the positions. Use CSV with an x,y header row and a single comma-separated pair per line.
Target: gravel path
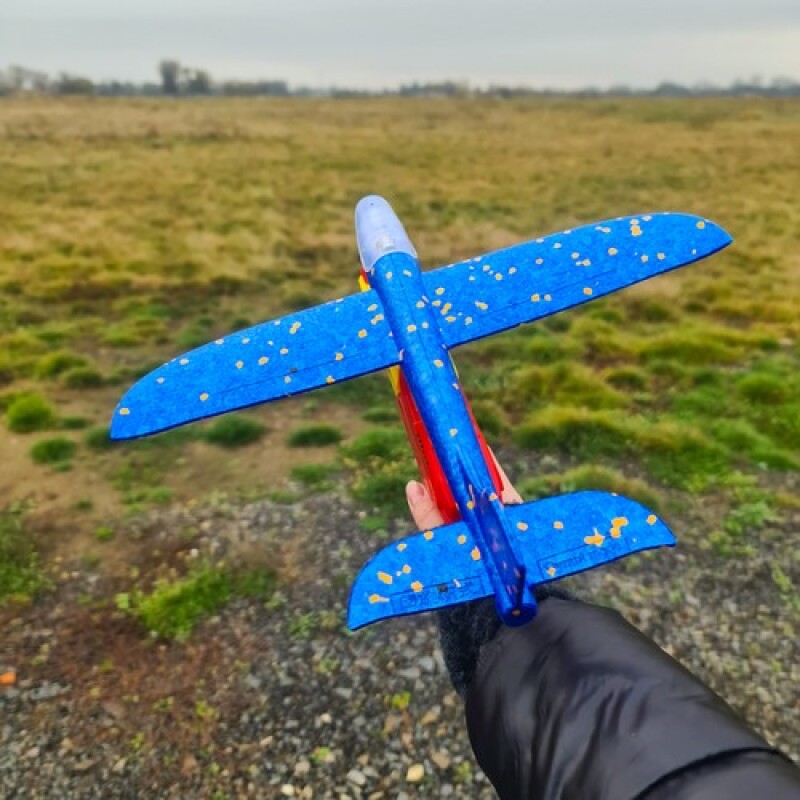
x,y
279,701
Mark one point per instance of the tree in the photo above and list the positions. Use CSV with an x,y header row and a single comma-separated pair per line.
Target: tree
x,y
74,84
170,74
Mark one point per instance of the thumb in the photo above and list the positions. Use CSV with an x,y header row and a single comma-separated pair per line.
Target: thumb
x,y
422,506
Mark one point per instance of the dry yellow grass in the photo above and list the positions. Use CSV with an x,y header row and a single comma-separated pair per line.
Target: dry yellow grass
x,y
133,229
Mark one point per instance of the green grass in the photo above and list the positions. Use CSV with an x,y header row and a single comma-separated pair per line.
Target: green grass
x,y
173,609
104,534
234,431
318,435
53,451
54,364
21,577
315,477
29,413
83,377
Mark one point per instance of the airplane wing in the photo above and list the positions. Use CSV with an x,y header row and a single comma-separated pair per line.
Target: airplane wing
x,y
500,290
557,536
293,354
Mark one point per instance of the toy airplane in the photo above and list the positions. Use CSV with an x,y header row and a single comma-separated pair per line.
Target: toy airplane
x,y
408,320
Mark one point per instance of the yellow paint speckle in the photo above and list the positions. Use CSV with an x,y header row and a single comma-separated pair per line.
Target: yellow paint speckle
x,y
239,364
388,276
287,379
540,261
652,519
551,571
411,328
701,224
548,297
557,246
373,307
636,230
159,380
204,397
645,259
446,307
476,554
428,535
417,586
125,411
453,431
596,539
462,539
558,525
512,270
406,569
660,256
481,305
384,578
612,251
470,504
438,362
420,304
576,255
402,546
284,350
535,298
245,341
362,333
263,360
498,276
587,290
295,327
617,524
184,361
339,356
451,318
330,379
376,598
440,290
468,321
522,526
492,497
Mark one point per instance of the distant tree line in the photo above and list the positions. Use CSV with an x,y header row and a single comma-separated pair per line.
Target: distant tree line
x,y
178,80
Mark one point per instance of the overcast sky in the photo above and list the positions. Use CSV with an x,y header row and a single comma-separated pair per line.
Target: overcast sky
x,y
372,43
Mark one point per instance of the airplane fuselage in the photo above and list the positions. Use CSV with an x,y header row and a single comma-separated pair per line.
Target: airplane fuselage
x,y
426,364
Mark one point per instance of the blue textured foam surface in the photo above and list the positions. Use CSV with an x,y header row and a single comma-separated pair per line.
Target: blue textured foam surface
x,y
558,536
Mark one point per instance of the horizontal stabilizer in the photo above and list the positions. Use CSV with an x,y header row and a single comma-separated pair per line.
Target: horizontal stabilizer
x,y
301,351
556,537
431,569
497,291
570,533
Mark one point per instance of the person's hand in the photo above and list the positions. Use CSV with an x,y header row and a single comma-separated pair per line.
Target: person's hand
x,y
464,628
425,511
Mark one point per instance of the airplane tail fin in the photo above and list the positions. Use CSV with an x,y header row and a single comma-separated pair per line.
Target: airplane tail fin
x,y
557,536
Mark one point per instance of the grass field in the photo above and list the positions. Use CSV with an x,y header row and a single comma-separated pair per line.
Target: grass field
x,y
133,230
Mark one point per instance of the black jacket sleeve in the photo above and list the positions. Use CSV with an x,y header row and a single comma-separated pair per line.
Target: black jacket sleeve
x,y
579,704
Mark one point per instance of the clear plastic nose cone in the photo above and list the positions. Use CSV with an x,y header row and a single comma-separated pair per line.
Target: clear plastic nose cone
x,y
379,231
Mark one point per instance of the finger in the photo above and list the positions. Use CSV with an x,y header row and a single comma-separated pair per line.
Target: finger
x,y
423,507
509,495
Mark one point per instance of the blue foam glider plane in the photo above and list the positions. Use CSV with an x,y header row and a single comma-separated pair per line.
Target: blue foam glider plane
x,y
412,319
